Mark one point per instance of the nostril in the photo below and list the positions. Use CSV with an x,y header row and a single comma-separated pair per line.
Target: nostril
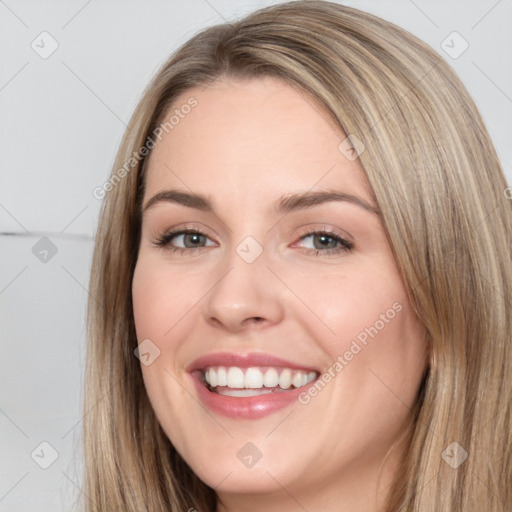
x,y
254,320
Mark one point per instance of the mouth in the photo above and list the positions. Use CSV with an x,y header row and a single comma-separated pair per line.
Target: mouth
x,y
249,386
241,382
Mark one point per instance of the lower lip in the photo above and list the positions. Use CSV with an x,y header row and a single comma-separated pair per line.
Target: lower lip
x,y
247,407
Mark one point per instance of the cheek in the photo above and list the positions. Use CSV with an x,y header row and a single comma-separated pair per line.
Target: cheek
x,y
163,298
356,302
369,332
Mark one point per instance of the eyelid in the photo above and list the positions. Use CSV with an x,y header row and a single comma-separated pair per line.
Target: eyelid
x,y
305,230
184,227
345,244
345,241
309,229
163,239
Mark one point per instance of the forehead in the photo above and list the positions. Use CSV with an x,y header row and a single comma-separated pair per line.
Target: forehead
x,y
260,138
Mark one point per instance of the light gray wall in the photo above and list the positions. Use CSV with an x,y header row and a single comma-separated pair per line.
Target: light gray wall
x,y
62,118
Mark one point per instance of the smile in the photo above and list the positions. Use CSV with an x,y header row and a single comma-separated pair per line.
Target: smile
x,y
248,385
254,381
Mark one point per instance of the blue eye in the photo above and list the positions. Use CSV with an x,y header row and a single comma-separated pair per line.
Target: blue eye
x,y
188,236
329,243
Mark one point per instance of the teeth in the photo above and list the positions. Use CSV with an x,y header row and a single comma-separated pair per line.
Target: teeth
x,y
297,380
253,378
213,377
222,377
246,379
235,377
271,379
285,379
245,392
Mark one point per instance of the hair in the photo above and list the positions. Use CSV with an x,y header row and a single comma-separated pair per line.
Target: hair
x,y
437,181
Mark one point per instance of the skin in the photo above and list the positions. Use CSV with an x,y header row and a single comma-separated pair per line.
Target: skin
x,y
246,144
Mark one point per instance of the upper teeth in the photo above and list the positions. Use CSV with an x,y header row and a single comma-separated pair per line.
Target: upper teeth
x,y
253,378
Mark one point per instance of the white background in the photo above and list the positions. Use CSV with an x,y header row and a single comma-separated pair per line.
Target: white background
x,y
62,120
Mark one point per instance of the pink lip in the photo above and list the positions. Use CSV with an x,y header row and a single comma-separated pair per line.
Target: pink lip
x,y
244,361
251,407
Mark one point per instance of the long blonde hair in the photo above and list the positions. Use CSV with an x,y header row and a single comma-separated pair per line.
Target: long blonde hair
x,y
436,178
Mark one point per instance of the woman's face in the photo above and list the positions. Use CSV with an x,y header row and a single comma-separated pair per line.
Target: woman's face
x,y
311,348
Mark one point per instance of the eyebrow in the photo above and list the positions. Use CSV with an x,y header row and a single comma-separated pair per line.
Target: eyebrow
x,y
286,204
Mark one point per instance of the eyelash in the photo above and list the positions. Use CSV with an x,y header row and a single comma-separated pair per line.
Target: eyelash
x,y
345,246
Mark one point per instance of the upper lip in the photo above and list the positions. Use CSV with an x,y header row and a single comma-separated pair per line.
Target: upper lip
x,y
246,360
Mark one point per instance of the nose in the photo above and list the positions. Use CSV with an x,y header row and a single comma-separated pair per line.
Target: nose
x,y
244,295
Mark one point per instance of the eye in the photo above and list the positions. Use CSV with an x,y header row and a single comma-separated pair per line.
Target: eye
x,y
191,238
326,242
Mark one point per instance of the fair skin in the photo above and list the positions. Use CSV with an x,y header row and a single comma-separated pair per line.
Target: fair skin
x,y
245,145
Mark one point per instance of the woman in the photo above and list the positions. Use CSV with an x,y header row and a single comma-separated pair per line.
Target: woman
x,y
300,291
